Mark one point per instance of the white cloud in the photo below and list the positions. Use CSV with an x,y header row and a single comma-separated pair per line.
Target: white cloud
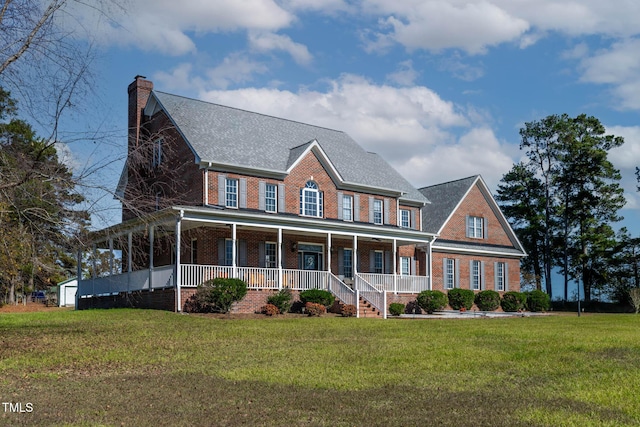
x,y
405,75
476,25
266,42
626,158
412,128
166,25
619,67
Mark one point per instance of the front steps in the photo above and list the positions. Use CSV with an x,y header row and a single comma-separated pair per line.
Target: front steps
x,y
365,309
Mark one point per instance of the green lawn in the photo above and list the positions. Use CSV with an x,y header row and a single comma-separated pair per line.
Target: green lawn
x,y
138,368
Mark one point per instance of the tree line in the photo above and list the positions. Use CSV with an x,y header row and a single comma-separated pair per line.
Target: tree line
x,y
563,201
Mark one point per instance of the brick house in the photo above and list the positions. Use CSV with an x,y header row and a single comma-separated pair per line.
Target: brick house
x,y
212,191
475,247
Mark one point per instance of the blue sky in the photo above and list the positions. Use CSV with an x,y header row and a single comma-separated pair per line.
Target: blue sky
x,y
438,88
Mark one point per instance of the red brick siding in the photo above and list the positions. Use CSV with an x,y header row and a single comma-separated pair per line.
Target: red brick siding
x,y
465,280
475,204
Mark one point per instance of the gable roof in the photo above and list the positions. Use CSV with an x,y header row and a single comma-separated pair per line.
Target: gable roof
x,y
446,198
233,138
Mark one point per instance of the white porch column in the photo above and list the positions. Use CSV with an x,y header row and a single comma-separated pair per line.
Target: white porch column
x,y
111,257
129,258
329,252
428,262
279,258
234,257
395,266
177,267
356,258
151,243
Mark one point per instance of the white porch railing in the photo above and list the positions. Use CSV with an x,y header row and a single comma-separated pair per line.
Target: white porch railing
x,y
342,291
191,275
259,277
402,284
376,297
302,280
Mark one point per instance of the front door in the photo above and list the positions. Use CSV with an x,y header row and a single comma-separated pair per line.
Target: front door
x,y
310,257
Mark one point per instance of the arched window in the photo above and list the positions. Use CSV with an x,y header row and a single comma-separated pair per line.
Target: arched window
x,y
311,200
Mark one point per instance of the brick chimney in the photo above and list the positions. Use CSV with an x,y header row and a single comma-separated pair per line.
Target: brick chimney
x,y
139,91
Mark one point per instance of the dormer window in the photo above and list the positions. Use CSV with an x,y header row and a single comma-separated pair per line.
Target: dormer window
x,y
311,200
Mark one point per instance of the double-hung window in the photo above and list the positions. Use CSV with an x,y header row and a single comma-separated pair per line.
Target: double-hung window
x,y
501,276
405,218
476,276
271,197
347,261
231,193
311,200
377,211
378,263
475,227
270,255
405,265
347,208
449,273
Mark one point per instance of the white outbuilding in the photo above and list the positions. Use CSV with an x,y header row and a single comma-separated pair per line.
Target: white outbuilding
x,y
67,292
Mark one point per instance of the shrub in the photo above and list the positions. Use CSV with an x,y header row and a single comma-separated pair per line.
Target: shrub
x,y
216,296
269,310
317,296
487,300
314,309
348,310
281,299
538,301
513,301
396,308
431,301
461,298
413,308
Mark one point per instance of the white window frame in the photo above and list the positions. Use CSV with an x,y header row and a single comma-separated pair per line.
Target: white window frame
x,y
270,255
476,276
475,227
194,251
311,200
405,266
347,262
449,275
377,211
231,192
271,197
347,207
501,277
378,262
405,218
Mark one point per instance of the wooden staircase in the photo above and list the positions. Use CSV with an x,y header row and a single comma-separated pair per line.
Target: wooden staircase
x,y
365,309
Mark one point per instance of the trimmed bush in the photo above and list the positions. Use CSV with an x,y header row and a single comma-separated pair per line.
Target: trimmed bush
x,y
487,300
431,301
396,308
281,299
513,301
270,310
461,298
317,296
314,309
348,310
538,301
216,296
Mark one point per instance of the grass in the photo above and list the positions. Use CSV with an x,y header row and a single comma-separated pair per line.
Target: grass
x,y
137,367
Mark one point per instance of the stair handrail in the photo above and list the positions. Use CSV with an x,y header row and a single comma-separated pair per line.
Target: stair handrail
x,y
344,292
375,297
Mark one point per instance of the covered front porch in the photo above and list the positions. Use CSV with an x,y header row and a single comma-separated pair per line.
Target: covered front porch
x,y
268,252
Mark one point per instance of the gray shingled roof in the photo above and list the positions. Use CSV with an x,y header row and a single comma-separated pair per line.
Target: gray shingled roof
x,y
235,137
444,199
